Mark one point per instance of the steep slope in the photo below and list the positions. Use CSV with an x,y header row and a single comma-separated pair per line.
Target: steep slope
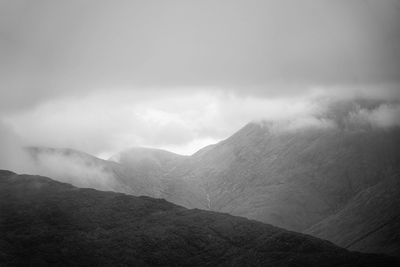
x,y
370,222
292,179
47,223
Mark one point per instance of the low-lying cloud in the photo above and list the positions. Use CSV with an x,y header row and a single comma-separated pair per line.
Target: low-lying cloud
x,y
385,115
71,167
104,125
184,121
179,75
65,167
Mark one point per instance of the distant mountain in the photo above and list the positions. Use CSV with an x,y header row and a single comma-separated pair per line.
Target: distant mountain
x,y
315,180
152,166
151,157
48,223
136,171
293,179
84,170
297,179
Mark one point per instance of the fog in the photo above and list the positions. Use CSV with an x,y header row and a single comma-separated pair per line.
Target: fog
x,y
70,168
102,77
103,126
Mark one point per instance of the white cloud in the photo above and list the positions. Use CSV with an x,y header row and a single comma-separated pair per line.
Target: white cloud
x,y
180,120
384,116
102,124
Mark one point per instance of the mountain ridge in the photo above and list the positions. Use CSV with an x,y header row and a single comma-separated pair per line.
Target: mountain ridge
x,y
292,179
47,223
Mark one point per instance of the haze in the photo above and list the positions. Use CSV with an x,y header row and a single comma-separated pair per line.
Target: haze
x,y
103,76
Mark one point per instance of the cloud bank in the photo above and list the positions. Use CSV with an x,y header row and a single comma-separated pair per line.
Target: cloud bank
x,y
185,121
70,167
101,76
53,49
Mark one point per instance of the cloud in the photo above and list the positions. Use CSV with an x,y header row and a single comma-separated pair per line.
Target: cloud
x,y
71,168
383,116
254,48
180,121
344,110
12,156
186,120
180,75
101,123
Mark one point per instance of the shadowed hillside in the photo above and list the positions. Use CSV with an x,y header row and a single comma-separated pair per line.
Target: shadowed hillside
x,y
47,223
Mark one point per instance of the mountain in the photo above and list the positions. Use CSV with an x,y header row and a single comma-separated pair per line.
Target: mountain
x,y
48,223
152,166
370,222
136,171
316,180
292,179
322,181
84,170
150,158
301,179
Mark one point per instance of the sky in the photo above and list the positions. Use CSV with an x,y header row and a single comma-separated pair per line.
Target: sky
x,y
102,76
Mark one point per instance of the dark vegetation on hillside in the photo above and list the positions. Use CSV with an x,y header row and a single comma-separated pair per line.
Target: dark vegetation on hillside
x,y
47,223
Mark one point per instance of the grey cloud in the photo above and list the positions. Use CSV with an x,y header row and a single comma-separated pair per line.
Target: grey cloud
x,y
52,48
330,112
76,73
12,156
383,116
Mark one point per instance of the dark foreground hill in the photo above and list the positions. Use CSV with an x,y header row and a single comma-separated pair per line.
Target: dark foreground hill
x,y
47,223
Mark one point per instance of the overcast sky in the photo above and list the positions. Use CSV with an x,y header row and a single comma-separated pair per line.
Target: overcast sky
x,y
102,76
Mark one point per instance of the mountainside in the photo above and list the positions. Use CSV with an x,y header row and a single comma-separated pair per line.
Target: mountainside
x,y
291,179
152,166
296,179
136,171
47,223
308,180
370,222
84,170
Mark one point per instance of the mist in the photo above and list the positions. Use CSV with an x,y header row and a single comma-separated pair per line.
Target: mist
x,y
187,123
285,113
183,75
71,168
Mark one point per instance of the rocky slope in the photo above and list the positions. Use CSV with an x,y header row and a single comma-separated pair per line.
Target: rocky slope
x,y
47,223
